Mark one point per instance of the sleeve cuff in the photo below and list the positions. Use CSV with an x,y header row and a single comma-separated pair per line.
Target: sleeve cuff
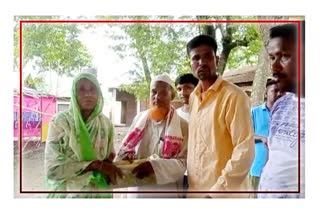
x,y
156,170
219,186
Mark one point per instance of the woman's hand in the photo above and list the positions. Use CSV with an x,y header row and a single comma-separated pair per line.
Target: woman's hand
x,y
111,171
93,166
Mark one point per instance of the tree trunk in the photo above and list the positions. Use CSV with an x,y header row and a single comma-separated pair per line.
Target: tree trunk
x,y
146,68
209,30
260,79
223,60
263,69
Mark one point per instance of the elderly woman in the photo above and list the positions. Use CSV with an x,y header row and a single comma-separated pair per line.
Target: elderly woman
x,y
79,147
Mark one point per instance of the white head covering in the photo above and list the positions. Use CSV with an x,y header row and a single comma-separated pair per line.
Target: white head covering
x,y
164,78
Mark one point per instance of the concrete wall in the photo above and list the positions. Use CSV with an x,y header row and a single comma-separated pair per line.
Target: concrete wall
x,y
128,107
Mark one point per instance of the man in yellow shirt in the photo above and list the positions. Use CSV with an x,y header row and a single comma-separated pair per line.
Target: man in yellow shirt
x,y
221,137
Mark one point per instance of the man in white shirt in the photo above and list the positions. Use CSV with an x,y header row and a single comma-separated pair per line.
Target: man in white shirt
x,y
283,172
185,85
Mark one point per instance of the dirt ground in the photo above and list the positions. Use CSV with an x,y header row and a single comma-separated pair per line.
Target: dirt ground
x,y
32,170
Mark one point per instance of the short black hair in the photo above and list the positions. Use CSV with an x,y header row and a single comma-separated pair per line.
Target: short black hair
x,y
202,40
186,78
286,31
271,81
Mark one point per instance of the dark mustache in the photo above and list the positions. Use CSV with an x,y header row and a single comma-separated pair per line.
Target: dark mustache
x,y
203,67
280,76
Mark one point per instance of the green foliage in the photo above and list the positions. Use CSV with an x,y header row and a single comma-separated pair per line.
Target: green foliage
x,y
161,47
140,88
51,46
240,42
36,83
245,55
155,48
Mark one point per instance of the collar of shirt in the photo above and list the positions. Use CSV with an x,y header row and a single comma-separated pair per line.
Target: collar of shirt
x,y
264,106
212,88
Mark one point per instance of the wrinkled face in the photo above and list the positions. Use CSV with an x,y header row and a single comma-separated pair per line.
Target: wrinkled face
x,y
203,62
161,95
184,91
283,62
87,95
273,93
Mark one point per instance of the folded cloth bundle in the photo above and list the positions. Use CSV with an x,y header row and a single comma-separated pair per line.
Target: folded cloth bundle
x,y
129,179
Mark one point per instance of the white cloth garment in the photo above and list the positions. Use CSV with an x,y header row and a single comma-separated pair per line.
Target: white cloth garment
x,y
183,114
164,78
168,171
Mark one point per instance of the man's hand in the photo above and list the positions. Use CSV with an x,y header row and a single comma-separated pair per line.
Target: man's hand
x,y
110,158
264,140
143,170
261,139
129,157
111,171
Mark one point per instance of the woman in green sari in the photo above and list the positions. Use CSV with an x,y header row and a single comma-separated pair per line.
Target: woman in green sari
x,y
79,147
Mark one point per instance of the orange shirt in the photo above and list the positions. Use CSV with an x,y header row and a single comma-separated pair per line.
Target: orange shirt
x,y
221,140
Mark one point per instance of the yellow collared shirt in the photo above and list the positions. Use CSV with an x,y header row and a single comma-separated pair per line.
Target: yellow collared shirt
x,y
221,140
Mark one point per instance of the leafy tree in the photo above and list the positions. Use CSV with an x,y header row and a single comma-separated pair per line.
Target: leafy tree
x,y
155,48
239,44
158,47
37,83
50,46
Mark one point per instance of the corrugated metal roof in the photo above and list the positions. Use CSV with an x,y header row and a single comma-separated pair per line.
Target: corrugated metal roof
x,y
31,92
241,75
